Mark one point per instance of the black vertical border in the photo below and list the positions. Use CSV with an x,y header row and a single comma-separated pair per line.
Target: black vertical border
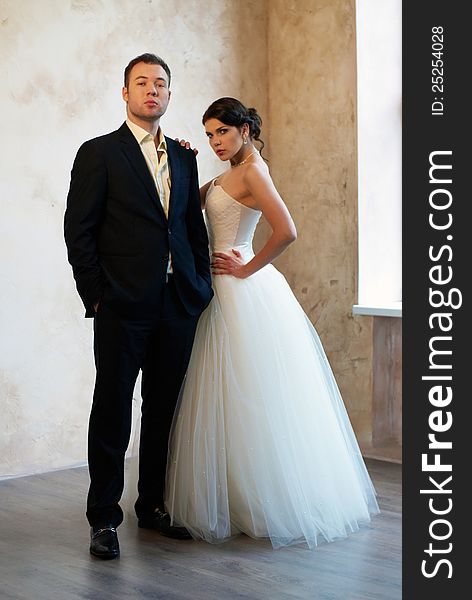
x,y
424,133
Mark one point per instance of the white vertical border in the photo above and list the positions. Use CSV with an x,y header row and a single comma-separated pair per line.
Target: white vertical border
x,y
379,87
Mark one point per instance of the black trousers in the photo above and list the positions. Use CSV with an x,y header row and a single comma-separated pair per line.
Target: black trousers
x,y
160,346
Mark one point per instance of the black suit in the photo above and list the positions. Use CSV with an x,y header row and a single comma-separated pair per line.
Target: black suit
x,y
118,241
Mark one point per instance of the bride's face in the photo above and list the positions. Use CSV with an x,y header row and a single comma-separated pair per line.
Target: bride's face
x,y
225,140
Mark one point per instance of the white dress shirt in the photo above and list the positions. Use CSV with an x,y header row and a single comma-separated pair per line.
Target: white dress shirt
x,y
158,165
156,160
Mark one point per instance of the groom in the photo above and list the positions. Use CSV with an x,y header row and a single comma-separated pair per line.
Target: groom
x,y
138,248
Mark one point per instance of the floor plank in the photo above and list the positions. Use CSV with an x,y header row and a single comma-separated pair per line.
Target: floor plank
x,y
44,553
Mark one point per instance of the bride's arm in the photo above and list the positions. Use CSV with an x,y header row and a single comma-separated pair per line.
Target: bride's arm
x,y
266,199
203,193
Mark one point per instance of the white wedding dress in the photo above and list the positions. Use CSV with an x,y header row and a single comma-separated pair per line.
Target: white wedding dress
x,y
261,442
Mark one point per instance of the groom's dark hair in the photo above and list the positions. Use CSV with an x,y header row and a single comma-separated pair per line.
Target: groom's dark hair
x,y
148,59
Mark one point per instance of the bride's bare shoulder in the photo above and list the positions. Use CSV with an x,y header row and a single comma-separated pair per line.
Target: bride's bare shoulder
x,y
256,172
257,177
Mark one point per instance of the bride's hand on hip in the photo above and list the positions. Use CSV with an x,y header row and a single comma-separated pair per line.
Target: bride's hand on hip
x,y
228,264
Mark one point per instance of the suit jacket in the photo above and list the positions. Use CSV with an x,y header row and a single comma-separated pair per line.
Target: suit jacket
x,y
118,237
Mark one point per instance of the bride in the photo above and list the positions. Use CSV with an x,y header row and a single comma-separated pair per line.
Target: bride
x,y
261,442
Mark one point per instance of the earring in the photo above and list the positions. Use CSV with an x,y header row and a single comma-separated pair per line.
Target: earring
x,y
244,140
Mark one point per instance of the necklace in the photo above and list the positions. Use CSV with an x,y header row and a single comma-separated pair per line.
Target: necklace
x,y
243,161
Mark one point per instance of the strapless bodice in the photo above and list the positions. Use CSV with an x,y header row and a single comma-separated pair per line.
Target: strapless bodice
x,y
230,224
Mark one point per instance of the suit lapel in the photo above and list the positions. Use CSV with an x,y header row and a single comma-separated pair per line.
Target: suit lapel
x,y
175,166
133,153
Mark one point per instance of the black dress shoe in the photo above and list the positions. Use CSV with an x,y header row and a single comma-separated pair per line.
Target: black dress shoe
x,y
104,542
160,521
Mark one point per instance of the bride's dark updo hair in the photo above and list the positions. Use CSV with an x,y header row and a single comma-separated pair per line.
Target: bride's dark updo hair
x,y
233,112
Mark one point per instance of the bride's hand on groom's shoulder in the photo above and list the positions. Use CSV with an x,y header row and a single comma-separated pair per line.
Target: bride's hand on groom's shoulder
x,y
186,145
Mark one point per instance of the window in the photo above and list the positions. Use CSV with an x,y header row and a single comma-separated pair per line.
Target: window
x,y
379,87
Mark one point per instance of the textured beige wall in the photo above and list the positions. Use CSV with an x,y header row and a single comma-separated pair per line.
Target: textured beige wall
x,y
61,67
387,389
312,139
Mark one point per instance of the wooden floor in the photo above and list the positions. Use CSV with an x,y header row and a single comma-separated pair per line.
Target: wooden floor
x,y
44,553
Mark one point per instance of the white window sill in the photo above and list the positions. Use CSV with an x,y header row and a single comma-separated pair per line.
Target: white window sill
x,y
387,309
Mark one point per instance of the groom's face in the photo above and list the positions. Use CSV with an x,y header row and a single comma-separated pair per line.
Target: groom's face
x,y
147,93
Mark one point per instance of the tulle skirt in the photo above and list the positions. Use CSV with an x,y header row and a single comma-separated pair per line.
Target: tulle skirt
x,y
261,442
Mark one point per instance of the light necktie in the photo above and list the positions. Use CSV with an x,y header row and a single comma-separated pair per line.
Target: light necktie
x,y
159,169
162,174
